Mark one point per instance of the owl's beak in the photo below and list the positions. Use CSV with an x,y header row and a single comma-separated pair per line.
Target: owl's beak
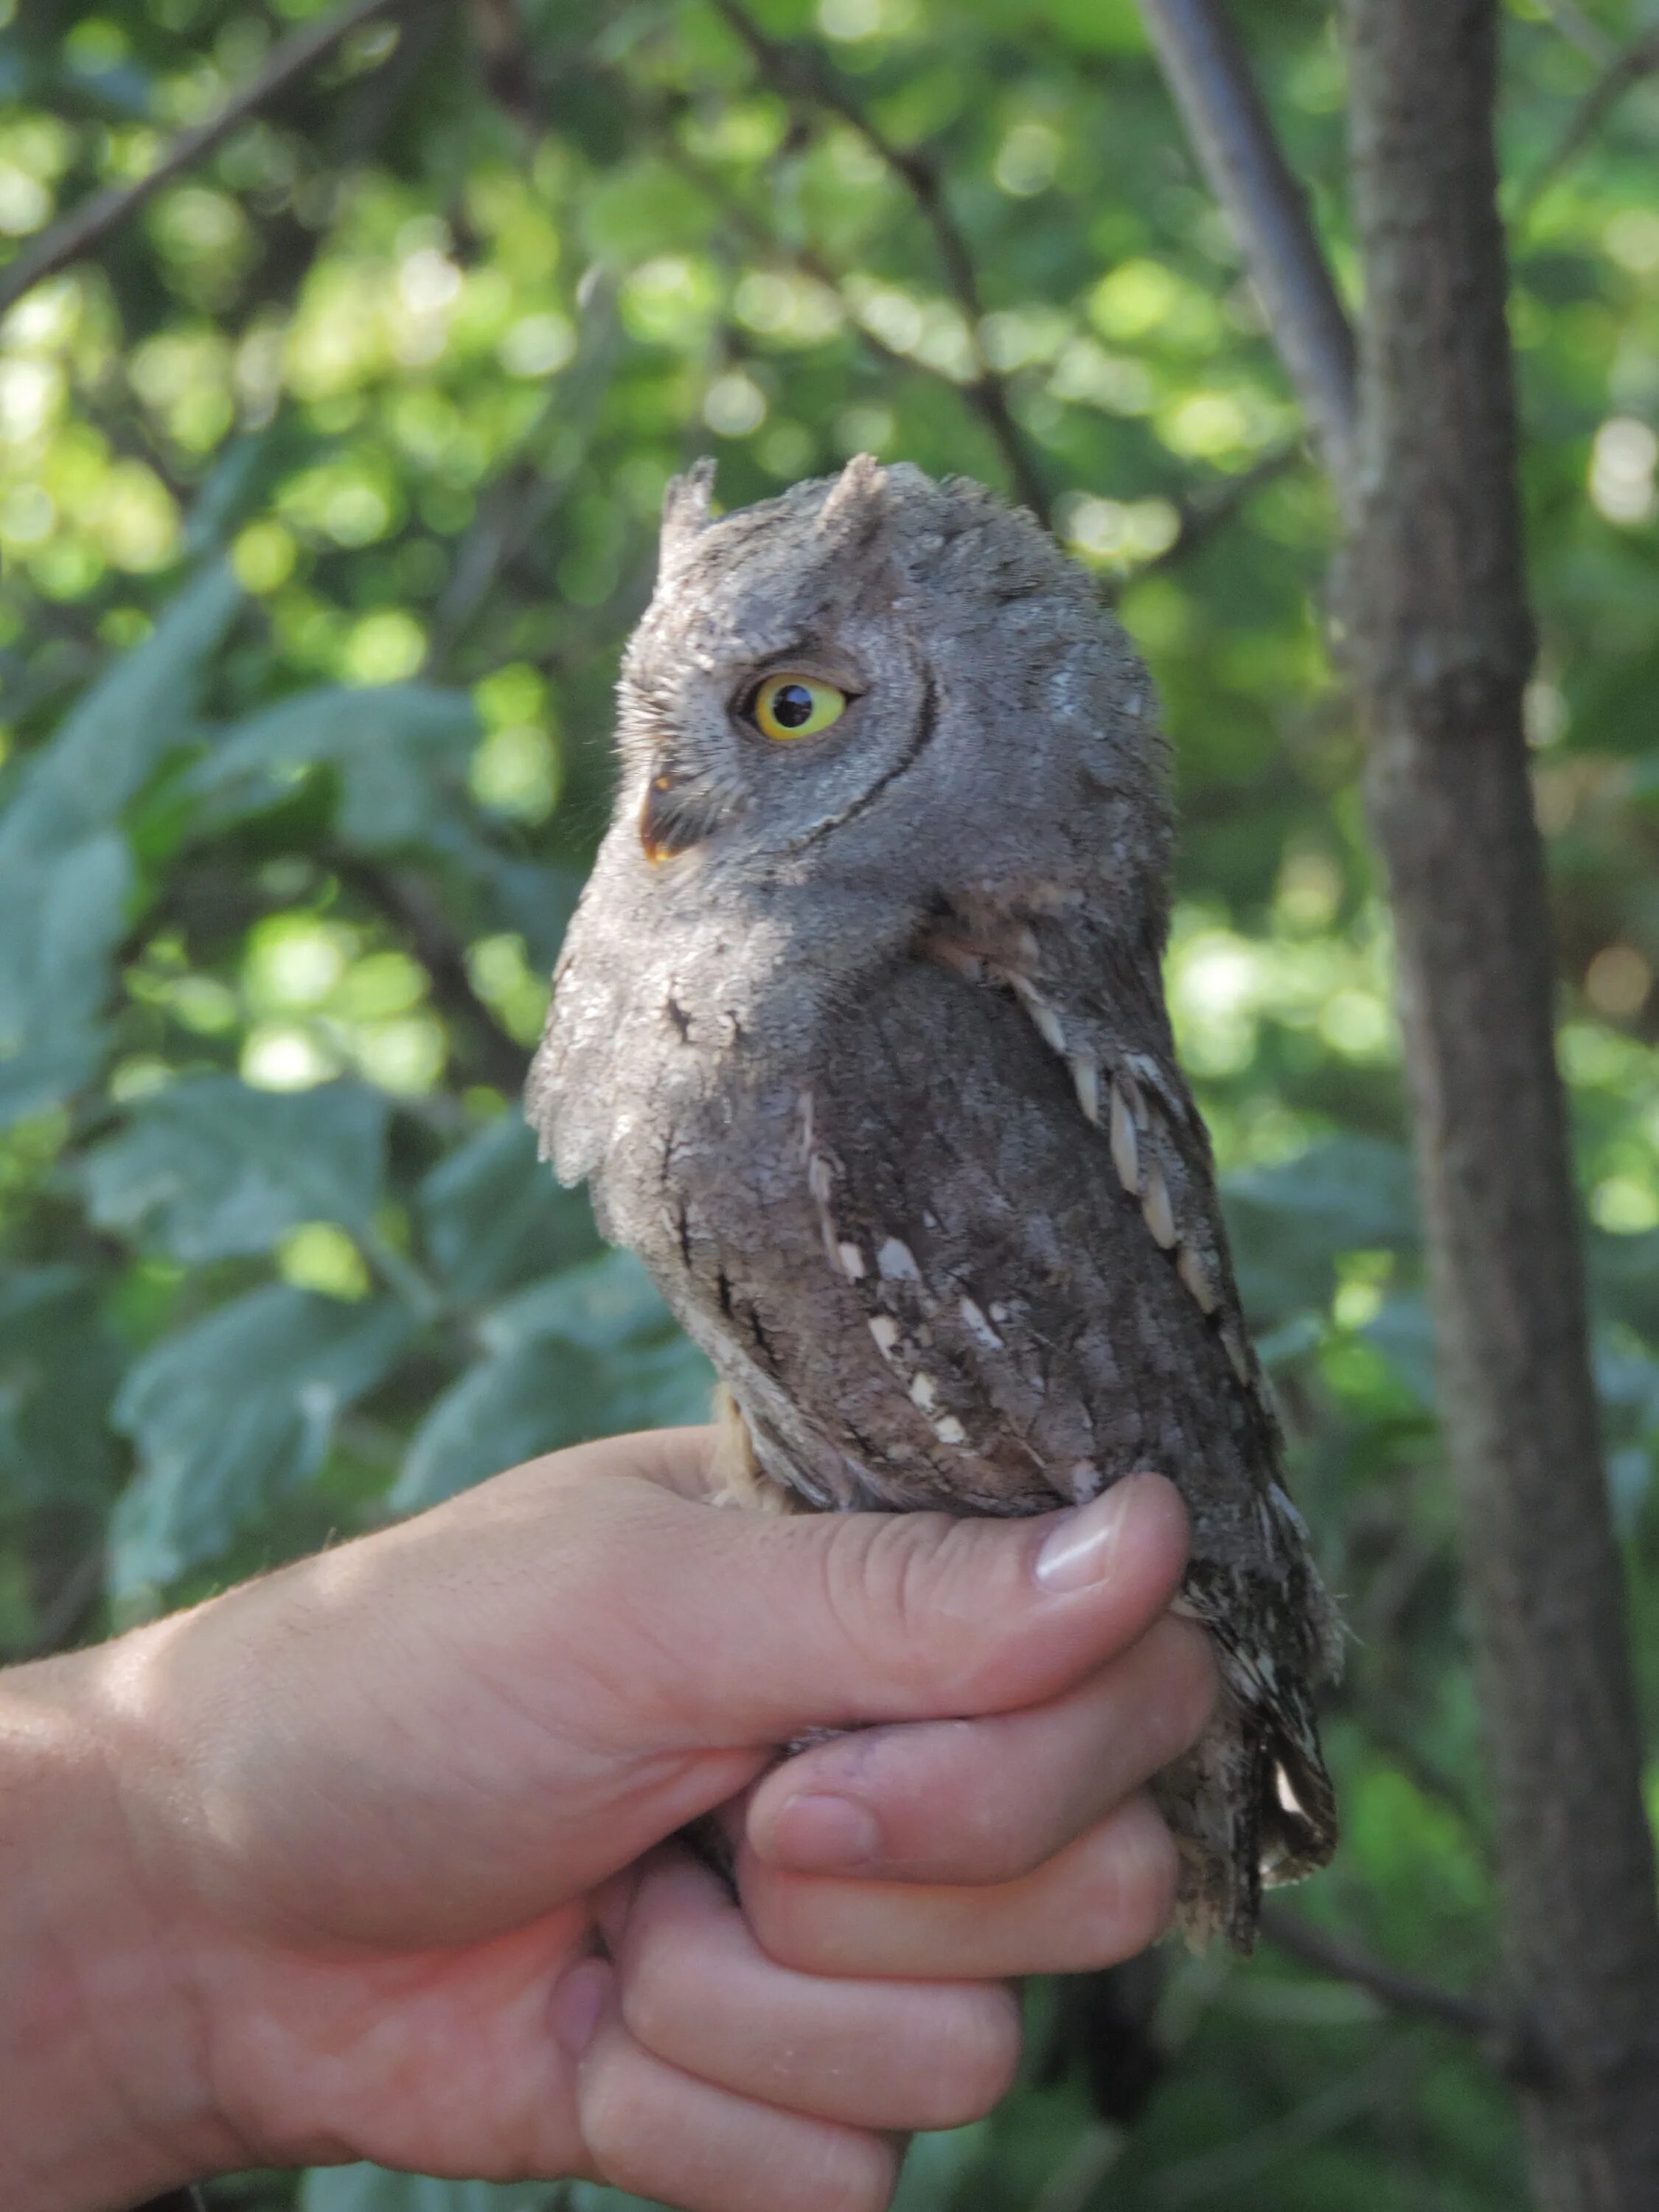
x,y
672,820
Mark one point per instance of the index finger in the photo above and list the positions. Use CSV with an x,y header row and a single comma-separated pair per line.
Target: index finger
x,y
986,1800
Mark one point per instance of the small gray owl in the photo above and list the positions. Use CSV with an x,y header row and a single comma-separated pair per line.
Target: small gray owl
x,y
859,1037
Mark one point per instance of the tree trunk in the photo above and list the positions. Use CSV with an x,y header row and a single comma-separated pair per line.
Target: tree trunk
x,y
1439,640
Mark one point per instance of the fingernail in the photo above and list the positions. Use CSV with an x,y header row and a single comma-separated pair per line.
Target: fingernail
x,y
576,2003
1079,1549
820,1834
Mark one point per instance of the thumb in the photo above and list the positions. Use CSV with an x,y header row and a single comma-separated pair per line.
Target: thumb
x,y
772,1626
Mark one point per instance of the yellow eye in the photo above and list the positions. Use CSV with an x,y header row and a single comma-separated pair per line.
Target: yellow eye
x,y
787,706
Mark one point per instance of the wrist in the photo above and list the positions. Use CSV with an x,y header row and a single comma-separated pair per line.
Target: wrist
x,y
105,2085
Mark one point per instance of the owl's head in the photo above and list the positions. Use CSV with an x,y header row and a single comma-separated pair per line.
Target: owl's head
x,y
888,682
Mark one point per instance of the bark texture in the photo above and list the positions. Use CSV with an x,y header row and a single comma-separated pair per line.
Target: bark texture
x,y
1439,640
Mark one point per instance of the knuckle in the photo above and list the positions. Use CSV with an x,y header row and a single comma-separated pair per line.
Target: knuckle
x,y
1136,1877
652,1992
777,1907
1188,1683
858,2175
616,2117
879,1571
974,2058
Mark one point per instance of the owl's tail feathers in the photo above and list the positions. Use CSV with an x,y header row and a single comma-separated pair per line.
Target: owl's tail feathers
x,y
1251,1806
1298,1823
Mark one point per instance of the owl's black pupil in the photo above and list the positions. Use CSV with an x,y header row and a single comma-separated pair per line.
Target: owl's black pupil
x,y
792,705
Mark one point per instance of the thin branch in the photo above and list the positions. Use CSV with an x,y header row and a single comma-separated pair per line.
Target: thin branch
x,y
1575,25
1399,1992
1622,73
1508,2043
86,226
1201,518
524,499
1219,2176
798,76
1210,79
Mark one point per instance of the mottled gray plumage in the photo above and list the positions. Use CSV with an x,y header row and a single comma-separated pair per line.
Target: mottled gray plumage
x,y
871,1066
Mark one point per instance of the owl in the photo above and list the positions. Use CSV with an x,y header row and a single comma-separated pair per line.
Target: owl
x,y
859,1039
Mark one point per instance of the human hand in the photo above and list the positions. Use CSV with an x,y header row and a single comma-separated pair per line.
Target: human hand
x,y
388,1803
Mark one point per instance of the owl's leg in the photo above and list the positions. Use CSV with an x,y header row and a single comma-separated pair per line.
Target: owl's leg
x,y
738,1476
739,1479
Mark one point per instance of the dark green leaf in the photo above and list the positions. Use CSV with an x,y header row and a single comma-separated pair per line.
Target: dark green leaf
x,y
57,1370
66,875
597,1308
1290,1223
493,1215
1403,1330
541,1396
213,1168
400,752
63,912
112,740
230,1413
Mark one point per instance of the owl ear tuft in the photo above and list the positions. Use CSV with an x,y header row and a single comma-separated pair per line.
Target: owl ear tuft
x,y
685,514
855,513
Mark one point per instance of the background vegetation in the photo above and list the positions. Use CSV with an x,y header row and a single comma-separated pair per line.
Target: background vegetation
x,y
328,485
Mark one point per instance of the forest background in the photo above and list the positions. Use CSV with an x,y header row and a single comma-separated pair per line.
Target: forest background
x,y
328,485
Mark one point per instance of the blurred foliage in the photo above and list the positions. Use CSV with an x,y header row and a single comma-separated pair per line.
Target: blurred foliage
x,y
327,493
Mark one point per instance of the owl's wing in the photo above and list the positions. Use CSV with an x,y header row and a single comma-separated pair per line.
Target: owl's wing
x,y
1008,1187
1098,1006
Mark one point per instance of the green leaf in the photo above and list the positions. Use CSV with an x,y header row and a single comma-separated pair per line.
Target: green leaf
x,y
541,1396
229,1414
373,2188
1624,1274
1403,1330
595,1308
57,1370
66,873
590,1352
213,1168
933,2165
400,751
63,912
590,2197
1290,1223
536,902
493,1215
113,738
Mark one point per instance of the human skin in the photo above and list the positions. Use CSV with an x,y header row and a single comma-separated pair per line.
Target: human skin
x,y
371,1858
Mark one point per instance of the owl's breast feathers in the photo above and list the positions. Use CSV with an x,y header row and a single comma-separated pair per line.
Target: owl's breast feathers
x,y
956,1243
